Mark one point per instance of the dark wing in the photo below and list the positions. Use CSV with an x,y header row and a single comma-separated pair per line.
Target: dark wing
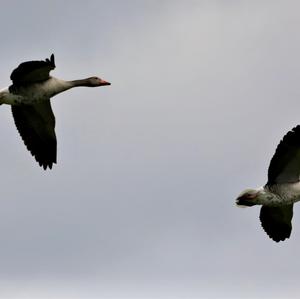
x,y
32,71
36,124
277,221
285,164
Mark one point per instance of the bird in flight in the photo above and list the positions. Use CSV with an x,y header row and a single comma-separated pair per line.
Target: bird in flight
x,y
29,97
282,190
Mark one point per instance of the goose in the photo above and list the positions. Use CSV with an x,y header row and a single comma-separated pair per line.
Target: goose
x,y
281,191
29,97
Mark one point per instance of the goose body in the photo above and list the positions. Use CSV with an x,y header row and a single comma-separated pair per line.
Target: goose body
x,y
33,93
282,190
29,97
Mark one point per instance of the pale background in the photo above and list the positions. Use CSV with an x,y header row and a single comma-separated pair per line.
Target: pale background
x,y
141,202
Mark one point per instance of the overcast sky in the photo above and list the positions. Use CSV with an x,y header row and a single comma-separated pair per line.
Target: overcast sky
x,y
141,202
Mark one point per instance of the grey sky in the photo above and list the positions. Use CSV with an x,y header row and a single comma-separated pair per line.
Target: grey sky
x,y
141,202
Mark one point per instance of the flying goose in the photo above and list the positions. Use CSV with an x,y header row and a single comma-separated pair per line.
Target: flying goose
x,y
29,97
281,191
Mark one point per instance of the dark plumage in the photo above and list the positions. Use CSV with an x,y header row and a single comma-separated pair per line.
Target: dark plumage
x,y
32,71
285,164
277,221
39,139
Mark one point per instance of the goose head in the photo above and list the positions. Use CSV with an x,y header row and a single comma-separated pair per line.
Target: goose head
x,y
248,198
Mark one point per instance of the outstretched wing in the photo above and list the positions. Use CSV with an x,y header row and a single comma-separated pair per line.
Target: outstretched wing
x,y
32,71
285,164
277,221
36,124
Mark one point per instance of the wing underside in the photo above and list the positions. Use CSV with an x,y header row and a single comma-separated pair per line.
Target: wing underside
x,y
36,125
277,221
285,164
